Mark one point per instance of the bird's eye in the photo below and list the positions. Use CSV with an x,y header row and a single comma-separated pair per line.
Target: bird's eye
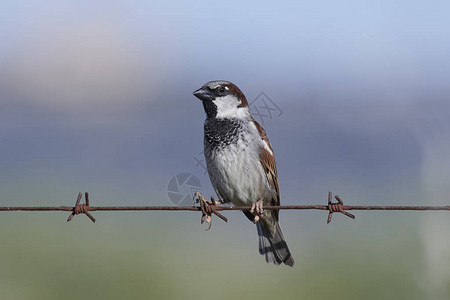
x,y
221,89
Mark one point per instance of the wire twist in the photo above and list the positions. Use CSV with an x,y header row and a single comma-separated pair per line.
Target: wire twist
x,y
81,208
336,207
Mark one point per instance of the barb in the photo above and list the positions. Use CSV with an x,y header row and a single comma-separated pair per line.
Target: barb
x,y
336,207
81,208
210,207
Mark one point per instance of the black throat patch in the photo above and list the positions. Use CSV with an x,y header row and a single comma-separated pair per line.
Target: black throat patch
x,y
221,132
210,108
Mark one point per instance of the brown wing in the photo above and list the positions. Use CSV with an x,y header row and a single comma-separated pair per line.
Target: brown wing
x,y
268,162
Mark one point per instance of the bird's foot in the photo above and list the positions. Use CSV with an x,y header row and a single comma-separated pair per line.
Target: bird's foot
x,y
208,208
199,199
257,210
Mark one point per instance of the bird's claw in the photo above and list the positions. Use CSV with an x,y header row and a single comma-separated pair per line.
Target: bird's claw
x,y
207,208
199,199
257,210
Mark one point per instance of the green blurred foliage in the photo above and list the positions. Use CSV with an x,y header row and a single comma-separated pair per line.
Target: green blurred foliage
x,y
144,255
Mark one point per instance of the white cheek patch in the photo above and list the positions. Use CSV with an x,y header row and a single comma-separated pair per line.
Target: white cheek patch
x,y
227,107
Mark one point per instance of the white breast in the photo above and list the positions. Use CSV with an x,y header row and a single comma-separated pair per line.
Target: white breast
x,y
235,170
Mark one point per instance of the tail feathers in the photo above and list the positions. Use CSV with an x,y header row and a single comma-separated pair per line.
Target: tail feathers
x,y
274,247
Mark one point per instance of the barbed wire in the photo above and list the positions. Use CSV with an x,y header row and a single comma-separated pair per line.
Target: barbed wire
x,y
211,207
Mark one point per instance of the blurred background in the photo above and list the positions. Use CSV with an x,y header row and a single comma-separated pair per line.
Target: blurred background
x,y
97,96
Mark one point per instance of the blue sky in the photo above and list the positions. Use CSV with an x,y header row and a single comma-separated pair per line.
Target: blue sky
x,y
106,86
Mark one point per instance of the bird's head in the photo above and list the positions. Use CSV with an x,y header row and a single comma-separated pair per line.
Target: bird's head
x,y
223,99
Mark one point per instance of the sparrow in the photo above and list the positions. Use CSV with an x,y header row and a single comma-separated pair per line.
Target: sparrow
x,y
241,163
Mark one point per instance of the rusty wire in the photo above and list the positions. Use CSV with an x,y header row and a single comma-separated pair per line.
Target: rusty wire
x,y
210,207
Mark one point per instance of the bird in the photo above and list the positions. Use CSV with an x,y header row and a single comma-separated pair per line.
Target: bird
x,y
241,164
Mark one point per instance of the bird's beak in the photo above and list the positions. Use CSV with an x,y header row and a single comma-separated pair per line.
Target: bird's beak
x,y
203,94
